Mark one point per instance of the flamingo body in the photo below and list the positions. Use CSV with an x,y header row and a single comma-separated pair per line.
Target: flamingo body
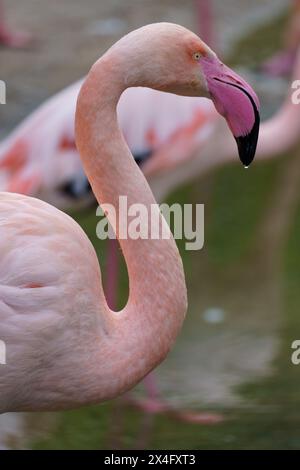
x,y
47,308
40,157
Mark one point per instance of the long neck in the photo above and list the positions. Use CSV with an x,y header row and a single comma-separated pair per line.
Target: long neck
x,y
146,328
280,133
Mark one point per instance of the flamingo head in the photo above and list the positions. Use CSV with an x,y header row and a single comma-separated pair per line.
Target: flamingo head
x,y
171,58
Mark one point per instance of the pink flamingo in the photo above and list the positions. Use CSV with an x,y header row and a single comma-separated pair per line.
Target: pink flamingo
x,y
166,130
65,347
53,172
9,38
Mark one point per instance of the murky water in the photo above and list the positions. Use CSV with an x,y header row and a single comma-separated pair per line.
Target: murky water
x,y
233,356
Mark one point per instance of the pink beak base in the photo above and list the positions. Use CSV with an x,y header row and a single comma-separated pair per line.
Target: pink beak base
x,y
237,102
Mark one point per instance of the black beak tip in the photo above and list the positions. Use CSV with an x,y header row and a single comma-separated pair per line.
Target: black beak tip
x,y
247,144
246,148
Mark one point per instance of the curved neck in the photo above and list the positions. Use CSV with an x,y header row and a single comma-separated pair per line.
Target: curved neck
x,y
280,133
148,325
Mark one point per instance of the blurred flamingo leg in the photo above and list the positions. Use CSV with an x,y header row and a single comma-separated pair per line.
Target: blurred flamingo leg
x,y
205,20
10,38
155,404
283,62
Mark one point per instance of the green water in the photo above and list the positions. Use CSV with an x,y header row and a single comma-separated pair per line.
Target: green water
x,y
257,285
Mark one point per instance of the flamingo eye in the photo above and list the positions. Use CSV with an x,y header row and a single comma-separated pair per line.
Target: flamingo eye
x,y
197,55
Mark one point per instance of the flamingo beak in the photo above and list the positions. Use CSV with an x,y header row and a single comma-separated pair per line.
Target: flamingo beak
x,y
237,102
